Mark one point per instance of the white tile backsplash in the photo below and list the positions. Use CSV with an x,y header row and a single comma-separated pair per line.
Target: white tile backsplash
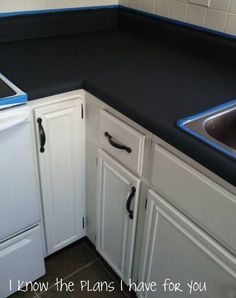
x,y
147,5
231,24
162,7
25,5
196,15
216,19
220,15
232,7
178,10
205,3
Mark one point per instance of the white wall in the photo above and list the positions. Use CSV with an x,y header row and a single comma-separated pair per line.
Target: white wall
x,y
220,16
24,5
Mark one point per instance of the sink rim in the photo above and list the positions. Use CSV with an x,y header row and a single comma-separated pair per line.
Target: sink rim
x,y
18,98
195,126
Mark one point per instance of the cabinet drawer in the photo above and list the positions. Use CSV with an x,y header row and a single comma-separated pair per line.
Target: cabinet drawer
x,y
205,202
122,141
21,259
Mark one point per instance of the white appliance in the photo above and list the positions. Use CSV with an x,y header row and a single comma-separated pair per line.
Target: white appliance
x,y
21,251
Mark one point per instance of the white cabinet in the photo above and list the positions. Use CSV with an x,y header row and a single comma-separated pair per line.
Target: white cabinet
x,y
122,141
205,202
175,249
60,136
117,206
179,245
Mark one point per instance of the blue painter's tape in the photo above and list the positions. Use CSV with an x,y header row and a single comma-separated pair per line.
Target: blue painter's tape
x,y
207,112
14,100
48,11
20,97
182,124
181,23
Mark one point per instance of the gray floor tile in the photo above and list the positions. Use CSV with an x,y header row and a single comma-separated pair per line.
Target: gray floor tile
x,y
107,268
91,247
66,261
92,274
28,294
115,277
76,263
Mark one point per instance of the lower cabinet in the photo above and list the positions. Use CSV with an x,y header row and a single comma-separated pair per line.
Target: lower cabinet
x,y
180,258
60,138
117,206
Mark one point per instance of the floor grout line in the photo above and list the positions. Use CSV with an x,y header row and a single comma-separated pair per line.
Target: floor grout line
x,y
90,249
69,275
84,267
97,259
112,277
107,271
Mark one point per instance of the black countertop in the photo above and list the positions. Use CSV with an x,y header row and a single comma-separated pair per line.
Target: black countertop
x,y
148,80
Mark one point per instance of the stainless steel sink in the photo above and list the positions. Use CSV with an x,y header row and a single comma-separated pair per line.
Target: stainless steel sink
x,y
10,94
217,127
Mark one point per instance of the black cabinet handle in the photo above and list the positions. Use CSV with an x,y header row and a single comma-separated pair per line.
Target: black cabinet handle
x,y
129,201
118,146
42,135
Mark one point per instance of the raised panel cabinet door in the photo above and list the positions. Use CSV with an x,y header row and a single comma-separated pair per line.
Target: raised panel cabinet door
x,y
117,206
60,138
180,258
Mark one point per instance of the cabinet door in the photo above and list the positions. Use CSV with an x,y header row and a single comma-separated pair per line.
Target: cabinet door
x,y
60,138
175,249
118,192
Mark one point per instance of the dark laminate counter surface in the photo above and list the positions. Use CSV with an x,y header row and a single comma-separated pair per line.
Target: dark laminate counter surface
x,y
149,81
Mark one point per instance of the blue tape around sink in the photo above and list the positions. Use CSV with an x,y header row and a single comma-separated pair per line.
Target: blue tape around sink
x,y
182,124
14,100
18,98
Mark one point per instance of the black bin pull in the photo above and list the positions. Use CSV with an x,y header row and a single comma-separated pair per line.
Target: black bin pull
x,y
129,201
114,144
42,135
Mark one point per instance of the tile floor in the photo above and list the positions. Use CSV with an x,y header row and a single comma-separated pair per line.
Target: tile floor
x,y
78,262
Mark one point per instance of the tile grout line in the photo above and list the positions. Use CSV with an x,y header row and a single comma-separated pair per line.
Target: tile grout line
x,y
112,277
90,249
84,267
67,276
107,271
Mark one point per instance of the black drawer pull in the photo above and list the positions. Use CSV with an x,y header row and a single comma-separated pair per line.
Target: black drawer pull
x,y
42,135
114,144
129,201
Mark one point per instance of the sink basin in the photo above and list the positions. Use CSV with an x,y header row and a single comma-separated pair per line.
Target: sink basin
x,y
10,95
217,127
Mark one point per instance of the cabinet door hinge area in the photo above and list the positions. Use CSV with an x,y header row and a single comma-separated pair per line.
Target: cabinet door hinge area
x,y
82,111
146,204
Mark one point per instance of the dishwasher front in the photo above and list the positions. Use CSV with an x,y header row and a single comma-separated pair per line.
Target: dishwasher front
x,y
21,249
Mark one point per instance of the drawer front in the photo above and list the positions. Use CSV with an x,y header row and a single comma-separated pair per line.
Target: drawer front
x,y
205,202
21,259
122,141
